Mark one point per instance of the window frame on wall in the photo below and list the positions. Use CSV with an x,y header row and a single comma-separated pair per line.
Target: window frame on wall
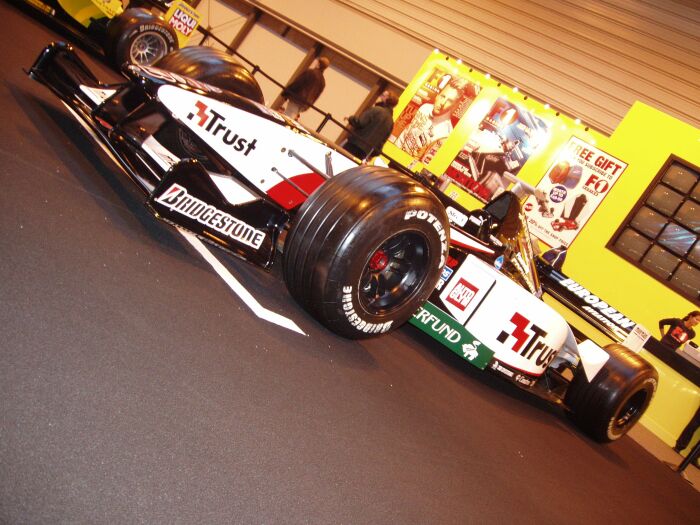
x,y
660,241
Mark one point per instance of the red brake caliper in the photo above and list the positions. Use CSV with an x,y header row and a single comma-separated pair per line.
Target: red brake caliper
x,y
379,261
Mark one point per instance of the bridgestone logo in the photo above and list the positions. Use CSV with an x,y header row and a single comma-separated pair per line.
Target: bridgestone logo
x,y
177,199
356,321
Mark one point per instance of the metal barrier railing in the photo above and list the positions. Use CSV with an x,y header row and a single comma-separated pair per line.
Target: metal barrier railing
x,y
255,68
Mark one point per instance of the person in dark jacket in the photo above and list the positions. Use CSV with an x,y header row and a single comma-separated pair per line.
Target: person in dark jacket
x,y
305,89
372,128
687,434
680,330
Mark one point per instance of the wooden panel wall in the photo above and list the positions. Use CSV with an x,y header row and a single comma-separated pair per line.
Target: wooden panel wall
x,y
589,58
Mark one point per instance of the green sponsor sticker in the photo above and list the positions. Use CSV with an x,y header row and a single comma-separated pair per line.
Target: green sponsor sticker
x,y
442,327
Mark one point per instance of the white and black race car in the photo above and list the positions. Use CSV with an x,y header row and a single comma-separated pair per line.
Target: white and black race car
x,y
364,249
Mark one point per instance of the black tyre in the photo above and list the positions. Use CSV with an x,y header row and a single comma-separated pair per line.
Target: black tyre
x,y
365,250
137,36
607,407
214,67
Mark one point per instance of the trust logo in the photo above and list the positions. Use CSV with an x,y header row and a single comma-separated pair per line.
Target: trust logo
x,y
215,124
201,113
526,338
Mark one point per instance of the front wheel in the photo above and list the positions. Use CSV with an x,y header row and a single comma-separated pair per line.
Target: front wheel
x,y
607,407
365,250
214,67
139,37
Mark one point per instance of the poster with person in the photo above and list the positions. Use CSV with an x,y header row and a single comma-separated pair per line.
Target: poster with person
x,y
494,153
571,190
432,113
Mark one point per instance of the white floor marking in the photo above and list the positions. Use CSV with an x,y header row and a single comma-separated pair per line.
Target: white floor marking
x,y
238,288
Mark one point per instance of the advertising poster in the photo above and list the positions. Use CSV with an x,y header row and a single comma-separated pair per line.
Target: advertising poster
x,y
433,112
494,154
570,191
184,19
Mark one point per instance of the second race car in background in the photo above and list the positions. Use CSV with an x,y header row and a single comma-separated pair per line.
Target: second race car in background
x,y
138,34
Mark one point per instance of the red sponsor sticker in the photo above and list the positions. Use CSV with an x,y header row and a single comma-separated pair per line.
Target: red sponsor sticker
x,y
462,294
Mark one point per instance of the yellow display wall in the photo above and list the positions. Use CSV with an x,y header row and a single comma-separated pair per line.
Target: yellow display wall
x,y
645,140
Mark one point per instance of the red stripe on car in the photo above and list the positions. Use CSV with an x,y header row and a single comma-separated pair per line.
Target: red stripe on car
x,y
287,196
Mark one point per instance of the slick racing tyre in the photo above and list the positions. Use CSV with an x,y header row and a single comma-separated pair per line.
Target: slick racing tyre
x,y
365,250
139,37
607,407
214,67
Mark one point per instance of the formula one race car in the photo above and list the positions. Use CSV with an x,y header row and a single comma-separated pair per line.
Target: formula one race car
x,y
134,35
364,249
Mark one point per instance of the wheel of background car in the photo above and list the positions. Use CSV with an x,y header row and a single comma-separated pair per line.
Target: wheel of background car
x,y
607,407
137,36
365,250
214,67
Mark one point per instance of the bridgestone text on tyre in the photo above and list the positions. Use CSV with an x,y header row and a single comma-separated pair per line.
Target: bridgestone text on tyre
x,y
365,250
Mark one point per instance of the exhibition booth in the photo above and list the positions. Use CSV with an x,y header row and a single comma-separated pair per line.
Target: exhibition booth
x,y
622,212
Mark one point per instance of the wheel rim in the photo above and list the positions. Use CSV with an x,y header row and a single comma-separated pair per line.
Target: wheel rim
x,y
147,48
393,272
630,411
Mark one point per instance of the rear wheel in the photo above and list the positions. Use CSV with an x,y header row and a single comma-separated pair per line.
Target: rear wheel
x,y
365,250
607,407
139,37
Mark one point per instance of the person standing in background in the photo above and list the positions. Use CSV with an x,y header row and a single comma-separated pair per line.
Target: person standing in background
x,y
372,128
305,89
680,330
687,434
